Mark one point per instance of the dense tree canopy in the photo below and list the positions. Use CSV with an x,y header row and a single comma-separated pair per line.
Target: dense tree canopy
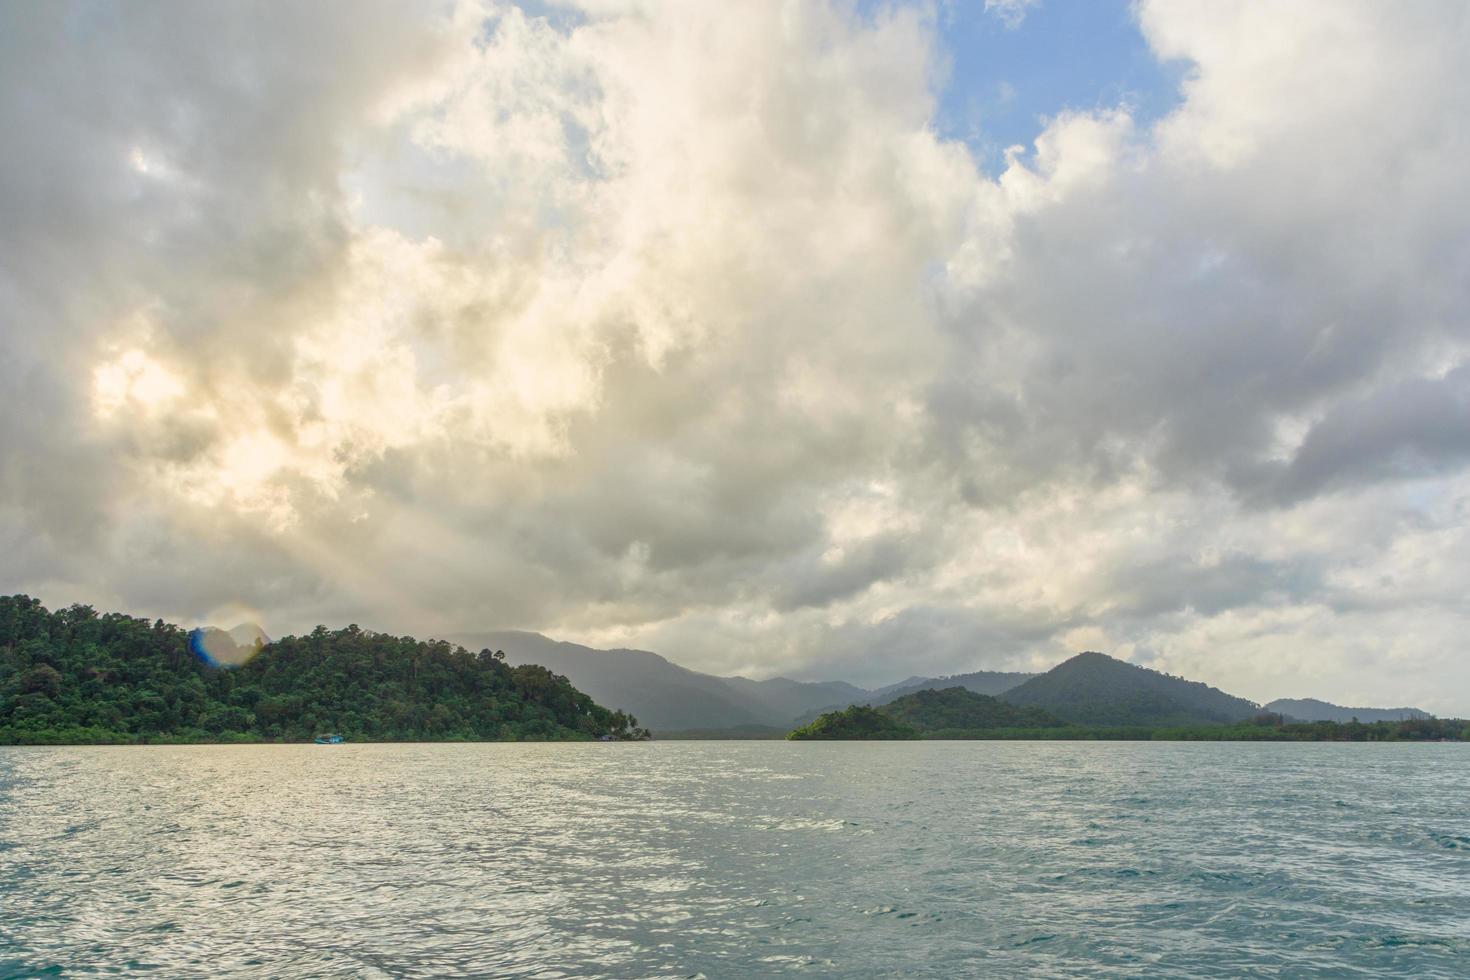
x,y
959,708
957,713
74,675
856,722
1095,689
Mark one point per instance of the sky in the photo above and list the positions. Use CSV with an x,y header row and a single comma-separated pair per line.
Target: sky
x,y
823,339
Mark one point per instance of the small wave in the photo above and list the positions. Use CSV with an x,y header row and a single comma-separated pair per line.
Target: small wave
x,y
811,824
1040,937
890,910
1400,941
78,828
17,970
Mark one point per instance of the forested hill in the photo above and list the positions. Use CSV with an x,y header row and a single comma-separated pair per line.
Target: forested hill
x,y
983,682
949,712
1095,689
991,682
959,708
75,675
855,723
1311,709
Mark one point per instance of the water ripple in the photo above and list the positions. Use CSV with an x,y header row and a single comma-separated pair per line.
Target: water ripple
x,y
740,859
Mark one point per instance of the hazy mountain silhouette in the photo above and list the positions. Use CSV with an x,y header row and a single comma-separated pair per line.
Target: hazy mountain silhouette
x,y
660,694
1311,709
1088,689
987,682
991,682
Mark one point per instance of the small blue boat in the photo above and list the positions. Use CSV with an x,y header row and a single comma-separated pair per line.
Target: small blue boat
x,y
328,740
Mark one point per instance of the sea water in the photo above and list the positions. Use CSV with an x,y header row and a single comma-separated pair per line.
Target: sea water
x,y
737,859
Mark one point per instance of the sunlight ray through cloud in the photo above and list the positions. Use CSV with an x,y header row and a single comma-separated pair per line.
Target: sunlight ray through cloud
x,y
732,331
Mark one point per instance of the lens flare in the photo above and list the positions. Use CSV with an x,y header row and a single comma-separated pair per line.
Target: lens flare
x,y
218,648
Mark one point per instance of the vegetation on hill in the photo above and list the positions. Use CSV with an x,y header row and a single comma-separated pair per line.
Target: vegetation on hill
x,y
960,708
992,682
857,722
1129,703
664,695
1095,689
1311,709
1267,728
74,675
922,713
989,682
1274,728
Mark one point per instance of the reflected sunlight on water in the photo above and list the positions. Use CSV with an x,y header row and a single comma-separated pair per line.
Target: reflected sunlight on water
x,y
743,859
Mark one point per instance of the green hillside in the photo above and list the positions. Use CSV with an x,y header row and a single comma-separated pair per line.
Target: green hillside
x,y
74,675
992,682
1095,689
951,711
857,722
958,708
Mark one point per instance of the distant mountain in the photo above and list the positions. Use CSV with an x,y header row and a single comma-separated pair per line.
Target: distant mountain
x,y
911,683
1089,689
990,682
931,710
1095,689
787,698
662,695
1310,709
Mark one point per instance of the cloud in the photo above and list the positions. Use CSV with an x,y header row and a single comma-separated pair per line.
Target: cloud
x,y
1418,427
1010,12
683,328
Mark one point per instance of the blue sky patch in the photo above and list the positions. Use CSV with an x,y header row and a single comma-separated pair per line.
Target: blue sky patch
x,y
1007,77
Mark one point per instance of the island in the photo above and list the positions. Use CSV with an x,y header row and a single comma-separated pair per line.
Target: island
x,y
76,676
1095,697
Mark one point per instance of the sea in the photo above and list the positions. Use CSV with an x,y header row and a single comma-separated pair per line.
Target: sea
x,y
737,859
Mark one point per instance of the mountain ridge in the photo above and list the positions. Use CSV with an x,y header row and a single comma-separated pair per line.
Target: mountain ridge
x,y
669,697
1314,709
1095,689
662,694
666,696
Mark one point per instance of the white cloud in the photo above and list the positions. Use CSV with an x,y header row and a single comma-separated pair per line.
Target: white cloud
x,y
682,327
1011,12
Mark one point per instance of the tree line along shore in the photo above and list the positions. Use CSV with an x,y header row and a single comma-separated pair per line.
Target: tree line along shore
x,y
958,713
74,675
